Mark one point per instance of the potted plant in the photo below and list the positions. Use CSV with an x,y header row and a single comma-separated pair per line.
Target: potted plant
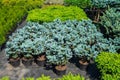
x,y
39,51
27,49
81,51
12,52
58,56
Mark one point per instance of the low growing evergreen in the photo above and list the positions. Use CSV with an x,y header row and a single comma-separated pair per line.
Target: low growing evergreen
x,y
109,66
48,14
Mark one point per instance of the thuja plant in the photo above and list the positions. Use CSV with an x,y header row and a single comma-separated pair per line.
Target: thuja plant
x,y
111,21
70,76
48,14
109,66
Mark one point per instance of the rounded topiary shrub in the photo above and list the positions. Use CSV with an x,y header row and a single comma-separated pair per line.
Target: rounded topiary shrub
x,y
48,14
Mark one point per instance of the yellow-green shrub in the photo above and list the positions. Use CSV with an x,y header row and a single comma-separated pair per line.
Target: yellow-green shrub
x,y
109,65
50,13
12,12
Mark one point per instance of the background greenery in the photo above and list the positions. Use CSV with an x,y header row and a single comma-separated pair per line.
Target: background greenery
x,y
48,14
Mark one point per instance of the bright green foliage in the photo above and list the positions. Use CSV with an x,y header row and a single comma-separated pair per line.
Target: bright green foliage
x,y
5,78
28,78
110,77
109,65
71,77
104,3
28,4
79,3
43,77
111,21
12,12
9,17
50,13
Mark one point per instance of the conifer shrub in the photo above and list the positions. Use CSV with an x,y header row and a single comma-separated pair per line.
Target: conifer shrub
x,y
111,21
50,13
12,12
108,64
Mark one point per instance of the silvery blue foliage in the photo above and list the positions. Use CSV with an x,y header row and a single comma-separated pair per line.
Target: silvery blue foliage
x,y
58,39
116,42
104,3
111,21
90,41
57,54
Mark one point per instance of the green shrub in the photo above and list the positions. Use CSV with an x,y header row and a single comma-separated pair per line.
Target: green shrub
x,y
43,77
111,21
72,77
29,4
50,13
12,12
79,3
109,65
110,77
8,19
5,78
80,36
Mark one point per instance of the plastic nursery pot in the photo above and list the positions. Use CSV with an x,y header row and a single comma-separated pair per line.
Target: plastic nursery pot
x,y
40,61
27,61
83,65
48,66
60,70
14,62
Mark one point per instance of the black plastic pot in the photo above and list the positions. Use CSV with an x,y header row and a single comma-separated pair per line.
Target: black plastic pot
x,y
14,62
83,66
48,66
60,72
40,63
27,62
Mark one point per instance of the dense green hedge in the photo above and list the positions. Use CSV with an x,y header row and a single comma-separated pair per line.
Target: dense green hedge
x,y
109,65
50,13
9,17
12,12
